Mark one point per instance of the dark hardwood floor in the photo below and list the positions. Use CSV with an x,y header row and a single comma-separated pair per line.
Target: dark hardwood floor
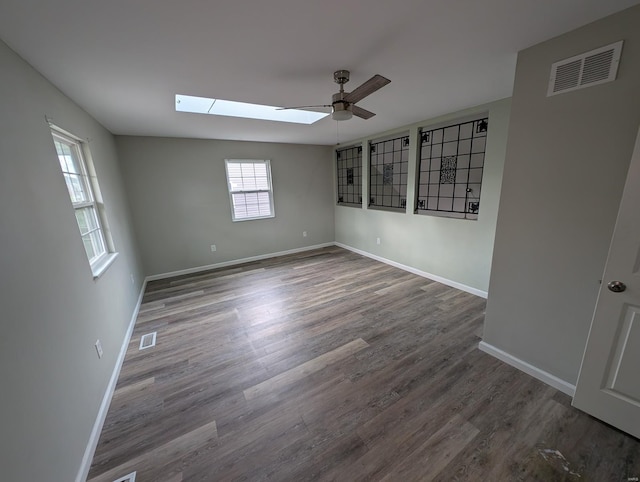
x,y
326,365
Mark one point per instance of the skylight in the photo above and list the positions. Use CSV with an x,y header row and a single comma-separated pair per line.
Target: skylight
x,y
204,105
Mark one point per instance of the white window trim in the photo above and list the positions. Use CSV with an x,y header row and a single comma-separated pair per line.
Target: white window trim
x,y
100,266
102,262
267,162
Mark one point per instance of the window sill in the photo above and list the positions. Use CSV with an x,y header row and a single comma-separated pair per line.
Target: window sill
x,y
350,205
99,268
252,219
389,209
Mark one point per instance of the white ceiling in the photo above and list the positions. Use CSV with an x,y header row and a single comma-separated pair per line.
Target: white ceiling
x,y
124,60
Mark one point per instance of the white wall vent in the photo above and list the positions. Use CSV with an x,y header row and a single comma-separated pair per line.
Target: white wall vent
x,y
148,340
591,68
127,478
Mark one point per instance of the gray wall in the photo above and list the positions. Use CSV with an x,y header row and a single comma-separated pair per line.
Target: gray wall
x,y
180,203
567,159
52,310
455,249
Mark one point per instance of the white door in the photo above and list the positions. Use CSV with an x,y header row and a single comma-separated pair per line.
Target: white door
x,y
609,382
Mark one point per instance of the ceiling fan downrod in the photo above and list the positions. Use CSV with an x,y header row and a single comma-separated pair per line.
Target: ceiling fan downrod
x,y
341,108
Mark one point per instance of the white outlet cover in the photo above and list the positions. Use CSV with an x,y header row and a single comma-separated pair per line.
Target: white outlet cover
x,y
213,248
99,349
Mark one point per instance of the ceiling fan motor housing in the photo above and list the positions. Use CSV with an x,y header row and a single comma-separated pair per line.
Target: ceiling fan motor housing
x,y
338,98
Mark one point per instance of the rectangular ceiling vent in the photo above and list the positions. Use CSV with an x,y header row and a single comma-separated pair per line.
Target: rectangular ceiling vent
x,y
591,68
147,341
127,478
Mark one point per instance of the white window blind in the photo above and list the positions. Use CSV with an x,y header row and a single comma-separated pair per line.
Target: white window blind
x,y
250,189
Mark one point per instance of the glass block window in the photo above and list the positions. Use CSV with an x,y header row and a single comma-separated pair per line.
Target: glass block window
x,y
388,173
349,162
451,161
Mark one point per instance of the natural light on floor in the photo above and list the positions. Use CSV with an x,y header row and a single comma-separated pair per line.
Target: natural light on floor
x,y
205,105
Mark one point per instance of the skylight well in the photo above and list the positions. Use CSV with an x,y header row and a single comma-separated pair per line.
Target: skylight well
x,y
205,105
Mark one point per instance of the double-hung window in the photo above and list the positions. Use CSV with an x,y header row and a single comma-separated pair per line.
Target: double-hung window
x,y
250,189
80,186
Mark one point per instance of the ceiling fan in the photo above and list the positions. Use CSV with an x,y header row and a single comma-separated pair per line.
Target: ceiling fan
x,y
343,103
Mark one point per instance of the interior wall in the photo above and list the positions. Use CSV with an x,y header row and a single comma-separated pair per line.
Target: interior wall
x,y
567,159
454,249
181,206
53,311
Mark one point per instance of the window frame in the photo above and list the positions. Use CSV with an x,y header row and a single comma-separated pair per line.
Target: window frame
x,y
395,152
269,191
343,175
89,187
459,187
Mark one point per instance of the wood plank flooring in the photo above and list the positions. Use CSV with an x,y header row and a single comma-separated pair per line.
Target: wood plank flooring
x,y
326,365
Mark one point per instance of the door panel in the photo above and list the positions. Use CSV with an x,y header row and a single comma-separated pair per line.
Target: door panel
x,y
609,382
622,375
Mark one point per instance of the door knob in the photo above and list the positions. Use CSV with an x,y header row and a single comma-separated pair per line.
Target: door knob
x,y
616,286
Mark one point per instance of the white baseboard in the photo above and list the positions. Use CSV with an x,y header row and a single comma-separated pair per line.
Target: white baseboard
x,y
108,394
424,274
235,261
548,378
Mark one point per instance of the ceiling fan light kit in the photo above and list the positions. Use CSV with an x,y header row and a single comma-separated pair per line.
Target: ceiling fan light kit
x,y
341,112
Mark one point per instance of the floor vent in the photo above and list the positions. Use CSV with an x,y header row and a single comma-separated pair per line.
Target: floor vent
x,y
591,68
148,340
127,478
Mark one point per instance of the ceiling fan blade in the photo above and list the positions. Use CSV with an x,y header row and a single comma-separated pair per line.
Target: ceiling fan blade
x,y
305,107
369,87
362,113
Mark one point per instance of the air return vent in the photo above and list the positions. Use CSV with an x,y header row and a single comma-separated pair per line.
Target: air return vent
x,y
127,478
148,340
591,68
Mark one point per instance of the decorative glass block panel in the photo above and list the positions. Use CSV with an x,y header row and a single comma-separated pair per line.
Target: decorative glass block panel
x,y
350,176
387,174
448,170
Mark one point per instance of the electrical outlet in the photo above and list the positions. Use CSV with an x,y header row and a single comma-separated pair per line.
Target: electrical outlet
x,y
213,248
133,280
377,240
304,234
99,348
